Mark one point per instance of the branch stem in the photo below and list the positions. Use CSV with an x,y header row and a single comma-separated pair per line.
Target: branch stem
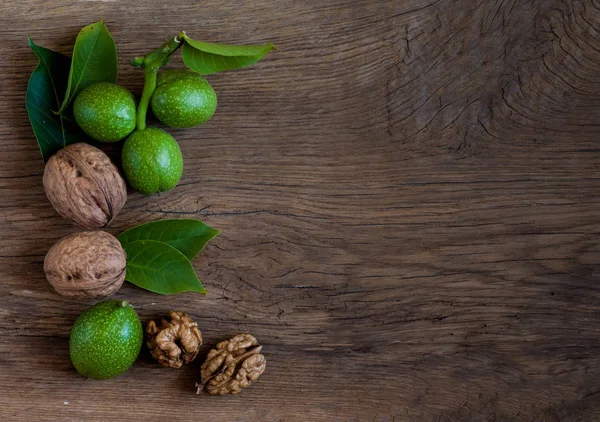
x,y
149,88
151,63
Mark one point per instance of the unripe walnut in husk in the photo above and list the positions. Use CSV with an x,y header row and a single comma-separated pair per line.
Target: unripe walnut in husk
x,y
86,265
83,185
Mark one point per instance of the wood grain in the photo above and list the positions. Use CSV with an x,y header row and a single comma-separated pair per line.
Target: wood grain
x,y
408,195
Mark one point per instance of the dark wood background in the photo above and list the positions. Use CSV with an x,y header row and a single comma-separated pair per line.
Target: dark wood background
x,y
409,200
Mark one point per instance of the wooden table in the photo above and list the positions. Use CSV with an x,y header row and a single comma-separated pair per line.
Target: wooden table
x,y
409,201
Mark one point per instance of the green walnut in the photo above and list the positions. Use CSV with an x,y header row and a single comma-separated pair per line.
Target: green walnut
x,y
152,161
105,111
106,339
183,99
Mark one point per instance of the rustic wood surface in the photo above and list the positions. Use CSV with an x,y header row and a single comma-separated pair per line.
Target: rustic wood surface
x,y
409,201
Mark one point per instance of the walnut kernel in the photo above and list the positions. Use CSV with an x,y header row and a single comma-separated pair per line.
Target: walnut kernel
x,y
175,341
232,366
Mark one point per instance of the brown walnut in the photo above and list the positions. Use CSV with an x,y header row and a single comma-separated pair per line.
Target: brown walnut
x,y
86,265
84,186
232,366
175,341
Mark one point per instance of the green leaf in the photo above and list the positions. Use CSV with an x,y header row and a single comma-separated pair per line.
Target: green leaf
x,y
44,95
94,60
160,268
206,58
186,235
159,254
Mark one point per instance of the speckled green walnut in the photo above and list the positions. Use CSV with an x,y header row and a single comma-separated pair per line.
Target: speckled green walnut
x,y
106,339
105,111
183,99
152,161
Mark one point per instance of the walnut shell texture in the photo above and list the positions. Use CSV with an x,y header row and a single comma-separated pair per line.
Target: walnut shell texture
x,y
84,186
232,366
86,265
174,341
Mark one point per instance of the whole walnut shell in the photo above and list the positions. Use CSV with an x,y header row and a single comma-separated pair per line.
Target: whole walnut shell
x,y
86,265
235,364
175,341
84,186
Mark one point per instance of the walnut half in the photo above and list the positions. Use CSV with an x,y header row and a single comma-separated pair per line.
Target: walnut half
x,y
232,366
175,341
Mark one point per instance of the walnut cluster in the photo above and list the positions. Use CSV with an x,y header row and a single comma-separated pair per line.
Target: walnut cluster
x,y
86,265
84,186
232,366
175,341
